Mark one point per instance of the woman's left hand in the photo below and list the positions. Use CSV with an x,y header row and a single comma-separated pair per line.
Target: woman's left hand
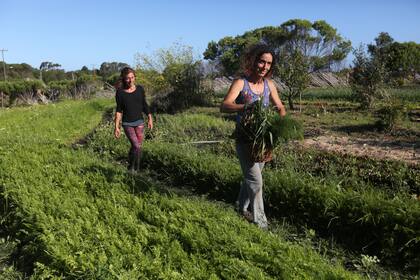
x,y
149,122
282,111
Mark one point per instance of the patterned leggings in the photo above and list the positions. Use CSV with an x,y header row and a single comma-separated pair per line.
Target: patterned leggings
x,y
135,136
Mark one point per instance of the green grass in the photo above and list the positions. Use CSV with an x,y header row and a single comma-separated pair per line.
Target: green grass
x,y
344,94
358,201
78,215
361,218
350,172
407,93
327,94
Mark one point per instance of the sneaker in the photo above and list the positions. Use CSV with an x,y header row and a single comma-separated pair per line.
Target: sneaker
x,y
247,216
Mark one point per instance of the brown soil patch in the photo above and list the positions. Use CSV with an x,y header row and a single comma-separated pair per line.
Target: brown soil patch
x,y
372,147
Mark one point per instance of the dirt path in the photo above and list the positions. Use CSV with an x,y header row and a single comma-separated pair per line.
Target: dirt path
x,y
372,147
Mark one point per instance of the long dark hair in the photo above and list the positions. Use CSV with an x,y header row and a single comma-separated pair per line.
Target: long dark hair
x,y
121,81
251,56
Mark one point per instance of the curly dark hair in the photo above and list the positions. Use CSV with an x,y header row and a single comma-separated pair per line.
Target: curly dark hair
x,y
124,72
250,58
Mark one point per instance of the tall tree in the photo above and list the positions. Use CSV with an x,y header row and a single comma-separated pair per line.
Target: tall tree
x,y
318,42
47,66
50,71
293,71
366,78
227,51
109,68
301,45
400,60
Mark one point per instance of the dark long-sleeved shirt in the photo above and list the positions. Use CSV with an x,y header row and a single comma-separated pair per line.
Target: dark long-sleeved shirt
x,y
132,105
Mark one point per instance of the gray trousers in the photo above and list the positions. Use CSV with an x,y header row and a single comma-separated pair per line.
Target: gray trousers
x,y
250,194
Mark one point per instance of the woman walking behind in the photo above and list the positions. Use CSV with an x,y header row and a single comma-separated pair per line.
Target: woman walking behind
x,y
254,85
131,104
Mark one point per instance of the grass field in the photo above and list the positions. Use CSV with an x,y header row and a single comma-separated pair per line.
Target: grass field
x,y
70,210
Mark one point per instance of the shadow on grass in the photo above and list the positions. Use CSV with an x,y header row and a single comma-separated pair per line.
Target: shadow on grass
x,y
359,128
135,183
107,117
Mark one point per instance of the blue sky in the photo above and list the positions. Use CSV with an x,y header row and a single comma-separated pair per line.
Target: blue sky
x,y
75,33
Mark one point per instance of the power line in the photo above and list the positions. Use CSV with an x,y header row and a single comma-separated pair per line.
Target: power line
x,y
4,64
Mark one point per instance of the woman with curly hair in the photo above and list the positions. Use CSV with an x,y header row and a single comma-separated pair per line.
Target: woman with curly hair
x,y
254,85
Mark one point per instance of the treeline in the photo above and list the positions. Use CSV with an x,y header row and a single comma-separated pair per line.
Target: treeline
x,y
301,48
27,85
177,79
50,71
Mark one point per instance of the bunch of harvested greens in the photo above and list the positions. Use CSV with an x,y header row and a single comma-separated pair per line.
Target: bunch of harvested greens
x,y
262,129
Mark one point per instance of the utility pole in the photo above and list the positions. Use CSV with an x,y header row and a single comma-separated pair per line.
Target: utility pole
x,y
4,64
73,79
93,71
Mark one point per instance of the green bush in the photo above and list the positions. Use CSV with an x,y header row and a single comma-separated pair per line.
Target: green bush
x,y
20,86
21,89
175,77
390,114
186,89
57,89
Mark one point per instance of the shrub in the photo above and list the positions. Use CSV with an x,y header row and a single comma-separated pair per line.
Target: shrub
x,y
390,114
22,90
175,76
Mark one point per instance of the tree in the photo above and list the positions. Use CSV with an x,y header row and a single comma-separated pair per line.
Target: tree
x,y
318,42
400,60
50,71
404,60
382,42
367,78
301,45
109,68
227,51
293,70
307,47
48,66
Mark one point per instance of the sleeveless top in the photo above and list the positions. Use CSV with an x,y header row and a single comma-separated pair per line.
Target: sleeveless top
x,y
247,96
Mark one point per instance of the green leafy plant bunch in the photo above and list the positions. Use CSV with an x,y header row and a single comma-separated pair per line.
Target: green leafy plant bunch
x,y
263,129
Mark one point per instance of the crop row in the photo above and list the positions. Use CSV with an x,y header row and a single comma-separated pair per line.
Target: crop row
x,y
365,220
77,215
387,228
350,172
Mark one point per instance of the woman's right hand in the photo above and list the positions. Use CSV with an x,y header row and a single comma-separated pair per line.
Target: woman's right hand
x,y
117,132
